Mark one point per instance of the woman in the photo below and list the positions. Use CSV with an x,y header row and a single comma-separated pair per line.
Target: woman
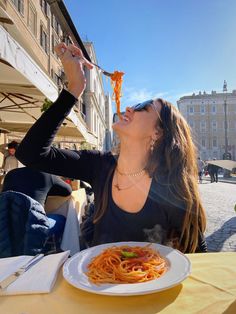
x,y
148,192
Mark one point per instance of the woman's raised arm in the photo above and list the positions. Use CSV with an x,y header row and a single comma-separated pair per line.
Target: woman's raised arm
x,y
36,150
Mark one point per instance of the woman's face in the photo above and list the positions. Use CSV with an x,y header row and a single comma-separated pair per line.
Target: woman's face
x,y
139,124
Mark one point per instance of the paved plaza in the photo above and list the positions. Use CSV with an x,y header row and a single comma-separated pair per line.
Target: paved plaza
x,y
219,200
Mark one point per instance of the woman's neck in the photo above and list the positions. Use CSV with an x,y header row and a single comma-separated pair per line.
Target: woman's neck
x,y
132,158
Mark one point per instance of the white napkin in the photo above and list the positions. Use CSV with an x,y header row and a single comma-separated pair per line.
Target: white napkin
x,y
70,238
40,278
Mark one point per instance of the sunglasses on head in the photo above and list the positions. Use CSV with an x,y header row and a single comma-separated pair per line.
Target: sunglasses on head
x,y
142,105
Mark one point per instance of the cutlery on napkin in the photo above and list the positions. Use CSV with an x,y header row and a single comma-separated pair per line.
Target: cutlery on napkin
x,y
39,278
14,276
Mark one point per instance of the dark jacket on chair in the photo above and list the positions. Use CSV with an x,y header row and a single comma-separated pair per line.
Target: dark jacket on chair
x,y
24,225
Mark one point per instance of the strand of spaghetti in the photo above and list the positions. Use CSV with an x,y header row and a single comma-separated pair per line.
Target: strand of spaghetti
x,y
116,82
111,267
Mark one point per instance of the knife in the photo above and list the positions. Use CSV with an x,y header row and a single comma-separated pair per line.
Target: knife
x,y
11,278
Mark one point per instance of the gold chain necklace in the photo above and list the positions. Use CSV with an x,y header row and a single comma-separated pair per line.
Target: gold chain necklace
x,y
119,188
132,174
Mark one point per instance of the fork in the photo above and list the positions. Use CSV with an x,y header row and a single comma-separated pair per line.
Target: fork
x,y
81,59
103,71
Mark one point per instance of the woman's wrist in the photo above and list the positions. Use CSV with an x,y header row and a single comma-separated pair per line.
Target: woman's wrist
x,y
75,91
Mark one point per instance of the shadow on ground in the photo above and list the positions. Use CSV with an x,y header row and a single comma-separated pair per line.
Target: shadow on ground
x,y
222,234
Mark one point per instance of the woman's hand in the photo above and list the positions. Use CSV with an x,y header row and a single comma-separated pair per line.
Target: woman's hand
x,y
72,60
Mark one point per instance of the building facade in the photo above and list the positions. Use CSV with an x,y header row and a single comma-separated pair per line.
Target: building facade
x,y
96,105
205,114
37,26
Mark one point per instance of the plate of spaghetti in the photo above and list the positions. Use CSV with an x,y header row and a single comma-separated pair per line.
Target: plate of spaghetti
x,y
127,268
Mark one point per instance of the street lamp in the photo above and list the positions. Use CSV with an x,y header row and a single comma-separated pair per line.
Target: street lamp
x,y
226,154
226,123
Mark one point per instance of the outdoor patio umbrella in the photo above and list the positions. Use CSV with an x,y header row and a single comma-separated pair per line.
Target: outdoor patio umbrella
x,y
226,164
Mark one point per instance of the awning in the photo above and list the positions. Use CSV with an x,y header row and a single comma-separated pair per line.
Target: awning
x,y
20,104
23,88
226,164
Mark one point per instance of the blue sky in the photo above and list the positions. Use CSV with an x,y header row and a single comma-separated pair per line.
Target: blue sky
x,y
167,48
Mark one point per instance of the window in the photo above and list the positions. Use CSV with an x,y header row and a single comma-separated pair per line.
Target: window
x,y
56,78
83,108
203,126
203,109
54,43
214,125
45,7
19,4
213,108
66,39
191,110
32,22
43,39
214,142
55,25
203,142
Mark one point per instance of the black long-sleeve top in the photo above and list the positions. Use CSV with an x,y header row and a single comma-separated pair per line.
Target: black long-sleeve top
x,y
161,218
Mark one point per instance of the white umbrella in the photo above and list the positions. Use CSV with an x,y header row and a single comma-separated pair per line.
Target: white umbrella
x,y
226,164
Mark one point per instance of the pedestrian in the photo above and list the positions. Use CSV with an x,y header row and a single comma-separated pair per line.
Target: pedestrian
x,y
200,165
10,161
149,191
215,170
210,172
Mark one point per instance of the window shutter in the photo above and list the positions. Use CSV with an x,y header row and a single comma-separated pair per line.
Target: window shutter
x,y
52,19
53,44
21,6
41,35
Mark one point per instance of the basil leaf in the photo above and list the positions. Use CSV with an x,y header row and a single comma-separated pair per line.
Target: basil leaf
x,y
128,254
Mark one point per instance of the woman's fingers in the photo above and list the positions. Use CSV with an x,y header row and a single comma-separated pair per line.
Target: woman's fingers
x,y
77,52
60,49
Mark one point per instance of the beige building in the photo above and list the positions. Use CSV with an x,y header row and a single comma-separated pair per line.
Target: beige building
x,y
205,114
29,30
97,104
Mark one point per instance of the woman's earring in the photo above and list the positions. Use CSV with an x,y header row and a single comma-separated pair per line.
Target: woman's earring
x,y
152,145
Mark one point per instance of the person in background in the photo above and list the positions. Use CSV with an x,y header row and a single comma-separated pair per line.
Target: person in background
x,y
149,191
200,165
214,171
10,161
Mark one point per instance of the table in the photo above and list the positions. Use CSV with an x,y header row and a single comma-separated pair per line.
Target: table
x,y
210,289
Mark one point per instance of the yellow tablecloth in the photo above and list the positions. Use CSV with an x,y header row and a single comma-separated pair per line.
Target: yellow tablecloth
x,y
210,289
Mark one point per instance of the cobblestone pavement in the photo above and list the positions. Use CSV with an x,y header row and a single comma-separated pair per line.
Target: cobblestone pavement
x,y
219,200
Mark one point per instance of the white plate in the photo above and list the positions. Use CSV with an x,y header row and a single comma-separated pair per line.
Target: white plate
x,y
179,268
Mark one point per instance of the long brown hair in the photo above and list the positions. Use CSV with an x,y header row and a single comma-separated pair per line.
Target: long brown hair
x,y
174,157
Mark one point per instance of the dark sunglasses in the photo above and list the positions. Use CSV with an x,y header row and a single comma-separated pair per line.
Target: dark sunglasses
x,y
142,105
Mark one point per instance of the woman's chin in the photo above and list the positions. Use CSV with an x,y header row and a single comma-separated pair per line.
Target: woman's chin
x,y
119,125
